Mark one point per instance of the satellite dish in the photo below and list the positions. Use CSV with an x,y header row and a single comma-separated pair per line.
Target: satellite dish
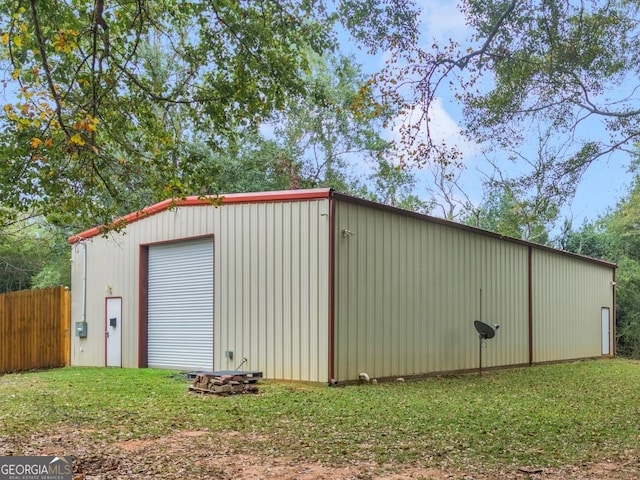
x,y
485,331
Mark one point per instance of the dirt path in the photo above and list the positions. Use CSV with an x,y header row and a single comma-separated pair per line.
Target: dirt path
x,y
204,455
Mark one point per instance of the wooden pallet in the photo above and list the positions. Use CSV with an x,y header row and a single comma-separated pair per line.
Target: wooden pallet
x,y
224,384
246,375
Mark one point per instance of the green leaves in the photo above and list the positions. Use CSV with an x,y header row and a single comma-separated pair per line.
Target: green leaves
x,y
507,213
327,136
106,97
381,25
568,68
33,254
552,58
107,101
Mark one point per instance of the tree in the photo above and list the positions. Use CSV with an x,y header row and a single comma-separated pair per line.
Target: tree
x,y
393,185
504,213
332,139
33,254
530,64
255,164
448,197
335,130
88,112
85,114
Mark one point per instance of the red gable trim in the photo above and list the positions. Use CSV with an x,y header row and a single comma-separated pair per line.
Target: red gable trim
x,y
254,197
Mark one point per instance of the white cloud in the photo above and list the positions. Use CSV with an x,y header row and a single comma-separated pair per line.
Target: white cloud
x,y
450,196
443,128
442,20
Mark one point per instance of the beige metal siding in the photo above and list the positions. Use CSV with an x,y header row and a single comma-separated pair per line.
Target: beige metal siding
x,y
270,279
106,270
271,288
567,301
407,293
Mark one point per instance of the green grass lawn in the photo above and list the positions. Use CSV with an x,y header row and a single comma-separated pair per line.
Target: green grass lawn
x,y
544,416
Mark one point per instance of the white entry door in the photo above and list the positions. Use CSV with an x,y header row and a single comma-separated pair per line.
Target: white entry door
x,y
605,331
113,333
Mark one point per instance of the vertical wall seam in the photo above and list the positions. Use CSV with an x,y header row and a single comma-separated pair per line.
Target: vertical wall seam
x,y
613,315
143,313
332,251
530,301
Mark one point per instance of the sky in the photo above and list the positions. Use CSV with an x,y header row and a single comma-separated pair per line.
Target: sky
x,y
604,183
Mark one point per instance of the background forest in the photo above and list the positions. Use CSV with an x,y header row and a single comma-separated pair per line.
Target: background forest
x,y
109,107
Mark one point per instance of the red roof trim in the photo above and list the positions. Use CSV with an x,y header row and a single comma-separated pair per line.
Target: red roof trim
x,y
253,197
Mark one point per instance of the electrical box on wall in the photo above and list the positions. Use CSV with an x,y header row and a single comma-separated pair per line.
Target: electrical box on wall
x,y
81,329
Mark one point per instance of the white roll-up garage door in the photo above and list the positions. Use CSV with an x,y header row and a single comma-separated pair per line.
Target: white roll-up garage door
x,y
180,310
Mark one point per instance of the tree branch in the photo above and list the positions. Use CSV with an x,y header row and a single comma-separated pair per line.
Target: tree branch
x,y
462,62
45,65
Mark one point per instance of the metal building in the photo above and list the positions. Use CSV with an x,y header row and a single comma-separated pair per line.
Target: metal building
x,y
314,285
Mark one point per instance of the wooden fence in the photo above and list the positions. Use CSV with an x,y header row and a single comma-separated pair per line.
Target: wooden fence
x,y
35,329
